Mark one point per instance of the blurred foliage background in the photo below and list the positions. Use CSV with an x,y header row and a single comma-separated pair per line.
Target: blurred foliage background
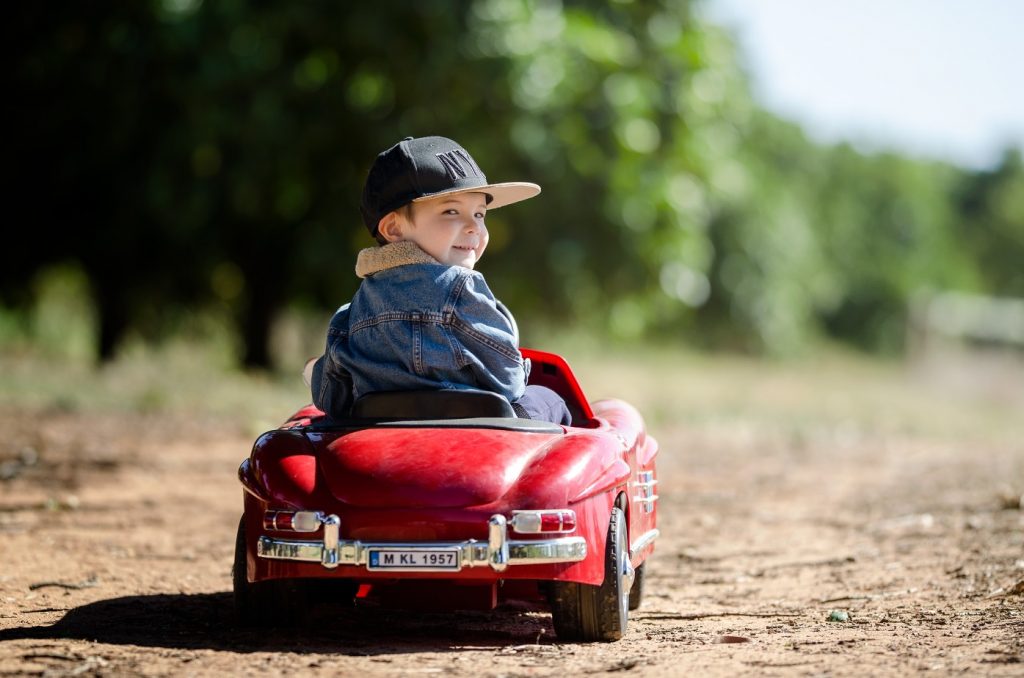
x,y
189,168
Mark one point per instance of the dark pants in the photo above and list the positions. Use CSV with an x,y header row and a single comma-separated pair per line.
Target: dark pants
x,y
540,402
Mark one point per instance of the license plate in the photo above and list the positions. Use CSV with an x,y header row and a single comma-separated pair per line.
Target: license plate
x,y
413,559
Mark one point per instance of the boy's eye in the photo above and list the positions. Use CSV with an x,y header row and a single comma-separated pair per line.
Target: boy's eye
x,y
479,215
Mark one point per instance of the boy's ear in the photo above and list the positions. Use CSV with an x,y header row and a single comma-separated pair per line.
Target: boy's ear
x,y
390,227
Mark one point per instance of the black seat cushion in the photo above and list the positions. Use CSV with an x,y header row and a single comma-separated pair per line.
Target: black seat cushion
x,y
433,404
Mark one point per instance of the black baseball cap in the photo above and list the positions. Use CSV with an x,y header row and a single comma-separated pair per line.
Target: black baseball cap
x,y
424,168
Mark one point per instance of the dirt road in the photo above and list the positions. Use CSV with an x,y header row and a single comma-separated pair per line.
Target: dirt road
x,y
902,525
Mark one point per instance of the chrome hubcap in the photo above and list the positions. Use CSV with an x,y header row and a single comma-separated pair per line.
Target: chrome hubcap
x,y
628,574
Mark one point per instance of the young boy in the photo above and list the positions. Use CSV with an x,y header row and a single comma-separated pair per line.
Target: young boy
x,y
422,317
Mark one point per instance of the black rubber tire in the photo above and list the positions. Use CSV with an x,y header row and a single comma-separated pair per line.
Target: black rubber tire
x,y
275,603
283,603
581,612
249,600
636,592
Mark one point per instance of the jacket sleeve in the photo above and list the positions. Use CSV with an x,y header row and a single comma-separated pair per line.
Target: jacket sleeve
x,y
503,309
488,340
331,383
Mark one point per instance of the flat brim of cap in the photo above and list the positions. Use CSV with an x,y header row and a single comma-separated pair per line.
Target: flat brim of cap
x,y
501,194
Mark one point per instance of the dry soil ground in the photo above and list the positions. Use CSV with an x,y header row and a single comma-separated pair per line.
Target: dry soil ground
x,y
786,495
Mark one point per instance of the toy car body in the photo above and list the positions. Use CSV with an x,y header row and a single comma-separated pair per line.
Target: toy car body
x,y
445,499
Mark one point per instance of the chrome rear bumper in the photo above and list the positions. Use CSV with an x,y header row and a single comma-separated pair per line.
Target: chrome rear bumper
x,y
498,551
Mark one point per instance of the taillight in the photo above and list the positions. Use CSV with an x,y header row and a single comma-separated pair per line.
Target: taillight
x,y
536,522
292,521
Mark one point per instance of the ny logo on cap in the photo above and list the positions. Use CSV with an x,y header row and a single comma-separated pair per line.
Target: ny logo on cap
x,y
453,164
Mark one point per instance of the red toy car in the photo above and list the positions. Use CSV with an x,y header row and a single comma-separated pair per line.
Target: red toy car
x,y
424,497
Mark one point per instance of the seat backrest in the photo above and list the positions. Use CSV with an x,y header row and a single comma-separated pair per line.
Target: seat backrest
x,y
432,404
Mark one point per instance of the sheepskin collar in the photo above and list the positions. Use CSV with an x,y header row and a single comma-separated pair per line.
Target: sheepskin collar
x,y
375,259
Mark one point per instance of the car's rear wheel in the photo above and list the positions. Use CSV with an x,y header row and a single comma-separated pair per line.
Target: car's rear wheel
x,y
597,613
281,602
259,604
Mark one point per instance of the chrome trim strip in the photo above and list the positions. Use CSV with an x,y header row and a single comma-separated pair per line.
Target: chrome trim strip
x,y
287,549
646,503
645,495
497,553
643,542
570,550
473,553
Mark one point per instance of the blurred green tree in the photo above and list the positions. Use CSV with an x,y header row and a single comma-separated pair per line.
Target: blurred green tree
x,y
619,109
193,154
991,228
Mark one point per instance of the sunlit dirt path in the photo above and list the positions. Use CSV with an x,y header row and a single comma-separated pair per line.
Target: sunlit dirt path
x,y
811,545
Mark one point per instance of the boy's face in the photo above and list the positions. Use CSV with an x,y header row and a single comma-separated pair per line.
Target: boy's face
x,y
449,228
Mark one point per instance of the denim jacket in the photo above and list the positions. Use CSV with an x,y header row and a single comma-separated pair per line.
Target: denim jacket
x,y
416,323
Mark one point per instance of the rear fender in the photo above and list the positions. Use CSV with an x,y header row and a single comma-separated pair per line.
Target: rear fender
x,y
283,470
579,466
